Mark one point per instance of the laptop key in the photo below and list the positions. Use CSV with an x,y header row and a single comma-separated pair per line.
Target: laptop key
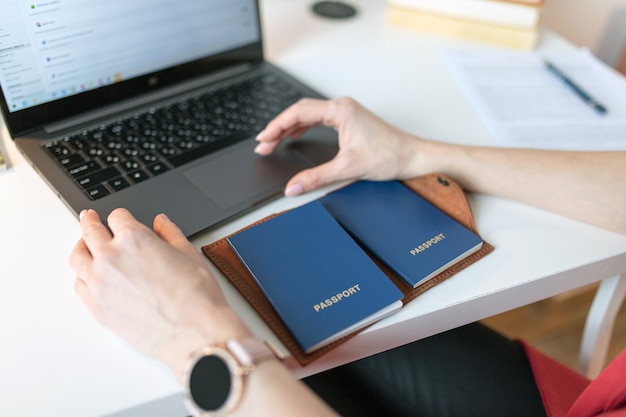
x,y
131,165
76,143
71,160
57,149
118,183
110,159
157,168
98,177
84,169
95,152
97,192
169,151
149,158
138,176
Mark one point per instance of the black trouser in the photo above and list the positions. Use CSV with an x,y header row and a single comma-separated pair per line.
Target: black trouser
x,y
469,371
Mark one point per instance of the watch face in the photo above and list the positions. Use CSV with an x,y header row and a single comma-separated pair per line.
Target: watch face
x,y
210,383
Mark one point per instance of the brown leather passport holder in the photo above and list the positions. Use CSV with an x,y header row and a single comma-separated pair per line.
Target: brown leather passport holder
x,y
439,189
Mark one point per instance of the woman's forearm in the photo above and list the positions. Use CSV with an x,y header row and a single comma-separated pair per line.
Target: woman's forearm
x,y
588,186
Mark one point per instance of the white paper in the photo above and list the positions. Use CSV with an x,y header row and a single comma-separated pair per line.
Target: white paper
x,y
524,105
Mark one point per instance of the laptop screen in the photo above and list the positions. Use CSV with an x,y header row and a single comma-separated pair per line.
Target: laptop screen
x,y
55,49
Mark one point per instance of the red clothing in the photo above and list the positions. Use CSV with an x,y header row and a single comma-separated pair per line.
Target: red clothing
x,y
566,393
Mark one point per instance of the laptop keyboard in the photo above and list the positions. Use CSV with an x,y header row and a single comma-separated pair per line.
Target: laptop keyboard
x,y
126,151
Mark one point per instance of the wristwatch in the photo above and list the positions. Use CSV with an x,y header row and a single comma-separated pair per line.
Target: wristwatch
x,y
215,377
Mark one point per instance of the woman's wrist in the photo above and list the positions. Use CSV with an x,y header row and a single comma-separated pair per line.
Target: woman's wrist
x,y
428,156
204,328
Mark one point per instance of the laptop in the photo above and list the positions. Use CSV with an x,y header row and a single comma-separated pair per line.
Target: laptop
x,y
151,105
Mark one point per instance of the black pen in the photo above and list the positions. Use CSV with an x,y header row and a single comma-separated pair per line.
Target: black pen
x,y
584,96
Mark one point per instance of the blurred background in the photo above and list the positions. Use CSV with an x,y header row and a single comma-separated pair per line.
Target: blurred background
x,y
599,25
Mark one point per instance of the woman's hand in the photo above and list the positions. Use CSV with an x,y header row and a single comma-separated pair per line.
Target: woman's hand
x,y
369,147
152,288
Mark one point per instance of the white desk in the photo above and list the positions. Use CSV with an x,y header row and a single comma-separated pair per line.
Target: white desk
x,y
55,360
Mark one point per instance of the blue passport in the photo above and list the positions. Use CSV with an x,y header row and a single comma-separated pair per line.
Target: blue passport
x,y
317,278
411,236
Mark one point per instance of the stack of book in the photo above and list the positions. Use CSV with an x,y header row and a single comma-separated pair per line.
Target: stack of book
x,y
508,23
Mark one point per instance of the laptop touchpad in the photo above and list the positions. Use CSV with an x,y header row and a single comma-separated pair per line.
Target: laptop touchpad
x,y
237,176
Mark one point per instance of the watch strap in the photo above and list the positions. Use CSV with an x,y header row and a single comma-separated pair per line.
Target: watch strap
x,y
249,352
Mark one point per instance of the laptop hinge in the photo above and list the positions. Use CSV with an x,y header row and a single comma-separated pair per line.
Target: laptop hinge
x,y
144,100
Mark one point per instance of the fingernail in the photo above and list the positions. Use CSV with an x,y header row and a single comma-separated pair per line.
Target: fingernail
x,y
82,214
257,148
165,217
260,135
294,190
